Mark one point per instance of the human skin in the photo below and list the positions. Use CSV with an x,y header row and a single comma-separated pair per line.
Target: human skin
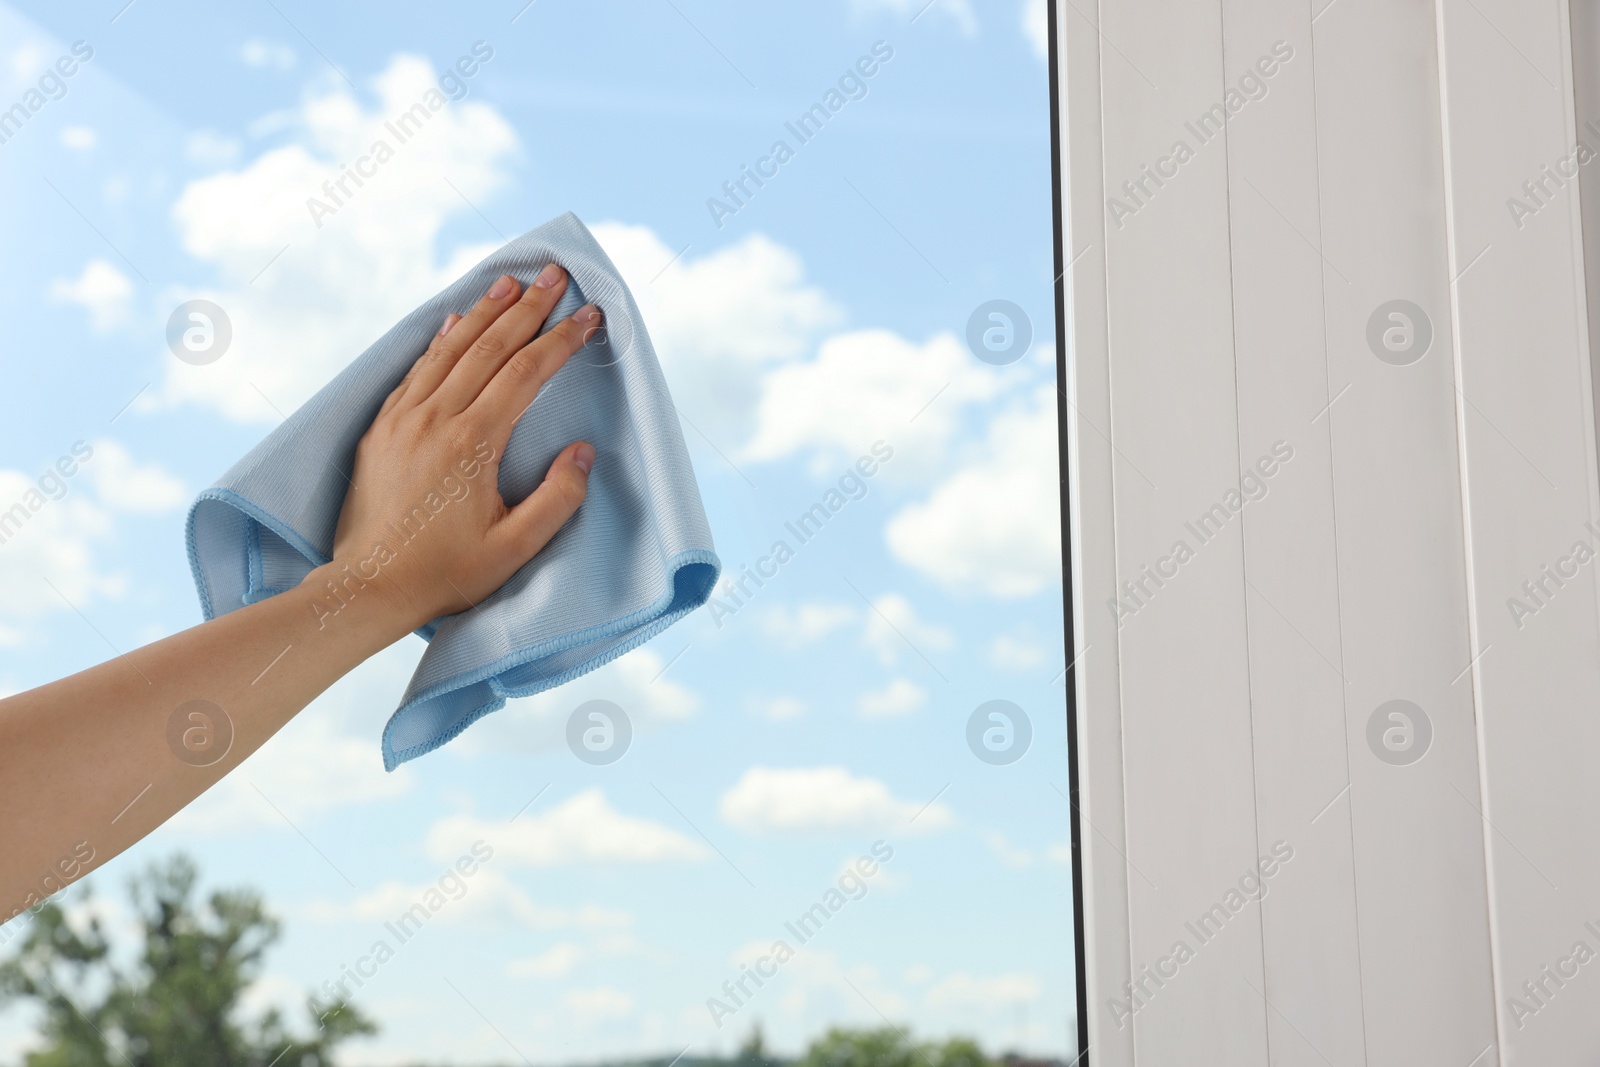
x,y
86,767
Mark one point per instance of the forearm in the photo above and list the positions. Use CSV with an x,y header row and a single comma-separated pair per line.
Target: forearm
x,y
92,763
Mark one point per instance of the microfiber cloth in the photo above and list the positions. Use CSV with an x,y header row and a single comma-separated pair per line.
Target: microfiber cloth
x,y
635,558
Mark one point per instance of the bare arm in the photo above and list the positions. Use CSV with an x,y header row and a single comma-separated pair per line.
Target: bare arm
x,y
93,762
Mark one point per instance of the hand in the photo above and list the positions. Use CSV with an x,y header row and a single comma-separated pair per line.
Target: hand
x,y
424,530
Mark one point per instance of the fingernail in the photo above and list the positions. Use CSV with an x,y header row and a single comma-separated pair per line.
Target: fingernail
x,y
449,321
583,456
548,277
501,288
588,314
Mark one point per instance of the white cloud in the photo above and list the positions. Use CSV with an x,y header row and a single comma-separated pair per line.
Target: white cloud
x,y
17,1044
900,697
557,961
735,330
583,829
123,484
487,898
959,11
747,302
210,149
307,769
586,1007
718,319
639,675
803,624
779,708
47,548
1018,858
257,53
608,935
870,385
273,991
894,629
28,61
962,990
331,290
79,138
272,122
820,983
1011,855
634,682
1036,26
994,525
102,290
1015,652
768,799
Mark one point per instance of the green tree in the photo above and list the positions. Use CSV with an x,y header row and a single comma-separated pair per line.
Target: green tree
x,y
889,1047
176,1004
753,1053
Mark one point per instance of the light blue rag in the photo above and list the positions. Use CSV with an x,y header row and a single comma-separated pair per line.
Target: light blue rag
x,y
635,558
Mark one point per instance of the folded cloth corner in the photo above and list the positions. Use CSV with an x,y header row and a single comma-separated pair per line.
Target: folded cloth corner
x,y
635,558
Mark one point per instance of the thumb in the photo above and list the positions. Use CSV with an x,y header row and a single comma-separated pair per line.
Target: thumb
x,y
531,524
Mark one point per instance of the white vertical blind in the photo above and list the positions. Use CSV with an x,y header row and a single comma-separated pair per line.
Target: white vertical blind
x,y
1331,422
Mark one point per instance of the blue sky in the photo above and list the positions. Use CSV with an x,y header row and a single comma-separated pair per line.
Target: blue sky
x,y
773,745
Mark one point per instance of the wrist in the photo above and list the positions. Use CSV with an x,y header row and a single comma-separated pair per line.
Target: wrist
x,y
339,594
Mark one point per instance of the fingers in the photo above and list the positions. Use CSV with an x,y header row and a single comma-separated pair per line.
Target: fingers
x,y
400,390
506,397
530,525
446,348
513,328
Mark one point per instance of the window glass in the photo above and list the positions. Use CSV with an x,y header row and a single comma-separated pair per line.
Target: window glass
x,y
831,802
